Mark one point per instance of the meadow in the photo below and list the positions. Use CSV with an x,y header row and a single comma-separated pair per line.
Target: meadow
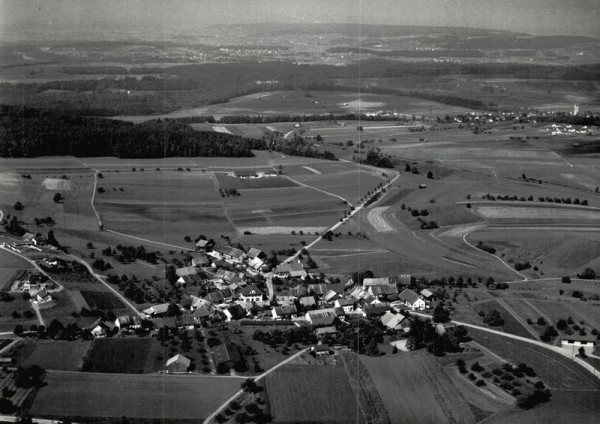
x,y
53,355
118,355
153,398
317,393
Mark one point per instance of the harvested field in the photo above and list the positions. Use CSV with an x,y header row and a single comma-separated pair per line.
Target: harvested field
x,y
53,355
311,393
555,370
377,221
426,391
102,300
118,355
537,213
154,398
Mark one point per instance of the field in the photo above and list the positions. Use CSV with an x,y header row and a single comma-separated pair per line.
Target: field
x,y
317,393
154,398
511,325
102,300
11,266
53,355
415,388
119,355
226,181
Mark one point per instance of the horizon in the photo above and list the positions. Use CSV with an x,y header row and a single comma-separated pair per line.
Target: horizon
x,y
535,17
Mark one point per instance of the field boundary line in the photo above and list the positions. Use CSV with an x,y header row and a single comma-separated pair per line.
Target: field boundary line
x,y
516,316
318,189
211,417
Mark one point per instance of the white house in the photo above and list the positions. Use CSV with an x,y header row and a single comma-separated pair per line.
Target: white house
x,y
251,293
346,304
412,300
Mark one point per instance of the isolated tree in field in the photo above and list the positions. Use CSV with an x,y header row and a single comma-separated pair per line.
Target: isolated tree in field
x,y
100,190
566,280
18,206
51,239
493,318
58,198
280,170
407,168
430,175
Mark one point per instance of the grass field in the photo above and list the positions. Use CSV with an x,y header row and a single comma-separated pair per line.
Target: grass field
x,y
511,325
415,388
53,355
226,181
102,300
318,393
118,355
154,398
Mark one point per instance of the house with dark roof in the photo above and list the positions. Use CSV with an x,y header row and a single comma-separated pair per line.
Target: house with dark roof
x,y
156,310
234,312
382,281
251,293
324,317
427,294
225,356
178,364
324,331
284,312
385,292
375,310
347,304
290,270
200,260
411,299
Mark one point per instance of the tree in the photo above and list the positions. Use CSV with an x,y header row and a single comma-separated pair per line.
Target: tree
x,y
18,206
171,274
493,318
566,280
430,175
407,168
582,353
587,274
18,330
58,198
440,314
52,240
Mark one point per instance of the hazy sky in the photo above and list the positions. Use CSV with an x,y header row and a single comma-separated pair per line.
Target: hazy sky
x,y
569,17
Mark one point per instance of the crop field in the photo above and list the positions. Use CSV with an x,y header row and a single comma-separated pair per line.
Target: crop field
x,y
351,185
555,370
537,213
155,398
21,306
296,209
53,355
586,312
10,267
118,355
564,406
317,393
550,288
102,300
415,388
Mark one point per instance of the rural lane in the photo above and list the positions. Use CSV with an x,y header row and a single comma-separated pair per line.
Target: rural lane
x,y
556,349
212,416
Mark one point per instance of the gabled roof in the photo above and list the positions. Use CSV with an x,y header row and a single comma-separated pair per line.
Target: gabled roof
x,y
376,309
42,293
236,311
326,330
157,309
299,291
426,293
376,281
229,251
392,320
201,243
253,252
408,296
285,310
186,271
384,290
180,359
307,301
331,294
345,302
225,352
251,290
289,268
228,275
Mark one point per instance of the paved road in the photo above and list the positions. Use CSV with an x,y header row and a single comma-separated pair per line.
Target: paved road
x,y
556,349
211,417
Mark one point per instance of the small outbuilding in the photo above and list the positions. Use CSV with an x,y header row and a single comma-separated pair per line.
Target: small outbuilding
x,y
178,364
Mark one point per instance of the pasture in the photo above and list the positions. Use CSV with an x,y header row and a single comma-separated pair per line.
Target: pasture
x,y
52,355
311,393
511,325
415,388
102,300
119,355
151,398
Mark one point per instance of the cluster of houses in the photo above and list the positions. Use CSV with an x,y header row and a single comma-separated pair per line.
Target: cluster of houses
x,y
36,285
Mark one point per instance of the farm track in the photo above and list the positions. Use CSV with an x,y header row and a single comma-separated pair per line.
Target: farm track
x,y
518,318
318,189
524,277
212,416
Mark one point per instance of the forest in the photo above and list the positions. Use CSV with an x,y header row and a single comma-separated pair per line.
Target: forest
x,y
31,132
